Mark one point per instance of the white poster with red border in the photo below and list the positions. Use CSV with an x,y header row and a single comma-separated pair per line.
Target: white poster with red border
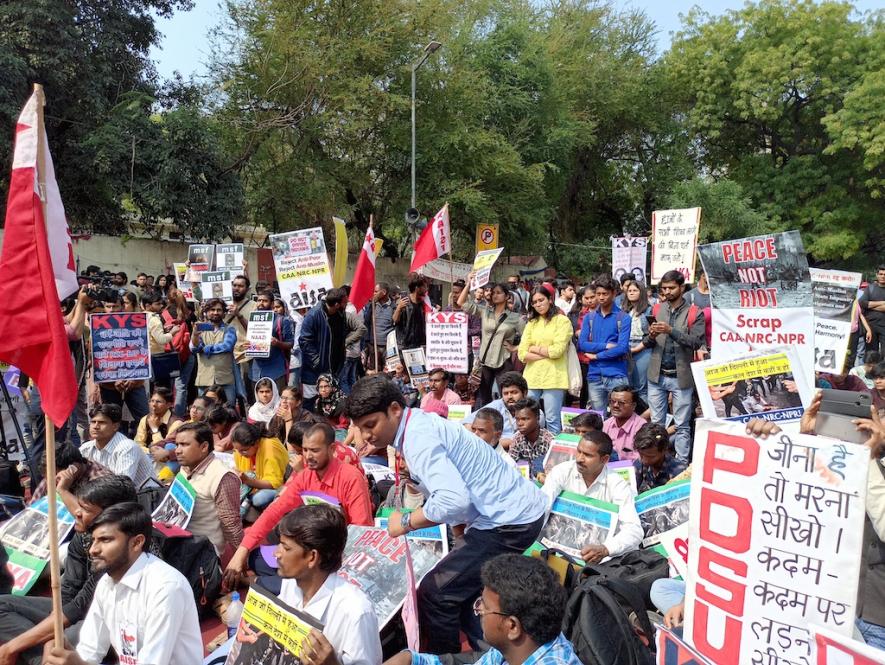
x,y
674,242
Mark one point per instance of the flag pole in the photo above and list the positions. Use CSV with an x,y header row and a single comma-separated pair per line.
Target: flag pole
x,y
54,564
372,302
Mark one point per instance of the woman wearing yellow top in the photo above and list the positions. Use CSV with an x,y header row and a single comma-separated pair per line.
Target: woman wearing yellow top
x,y
261,461
543,350
156,430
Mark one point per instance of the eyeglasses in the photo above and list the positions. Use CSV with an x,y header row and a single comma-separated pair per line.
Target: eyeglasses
x,y
619,402
478,609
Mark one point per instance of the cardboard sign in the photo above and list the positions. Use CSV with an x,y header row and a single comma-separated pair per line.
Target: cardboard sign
x,y
416,366
830,648
446,271
177,506
834,294
183,281
458,412
230,257
674,242
200,257
629,256
391,352
302,266
662,509
447,341
259,334
576,520
217,284
482,267
120,349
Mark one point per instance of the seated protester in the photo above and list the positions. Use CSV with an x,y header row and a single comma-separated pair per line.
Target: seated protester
x,y
26,621
156,434
410,496
624,421
216,392
294,444
871,359
142,607
588,475
312,540
487,425
513,389
216,512
521,610
655,466
111,449
267,400
844,381
438,389
72,471
261,462
466,392
221,421
531,441
587,422
290,411
668,595
199,409
434,406
330,401
877,374
322,473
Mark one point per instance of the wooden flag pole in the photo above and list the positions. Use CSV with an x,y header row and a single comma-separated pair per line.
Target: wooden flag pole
x,y
374,329
54,564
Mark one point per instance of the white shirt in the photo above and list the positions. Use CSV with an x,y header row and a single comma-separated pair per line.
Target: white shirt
x,y
153,606
608,487
346,612
122,456
505,454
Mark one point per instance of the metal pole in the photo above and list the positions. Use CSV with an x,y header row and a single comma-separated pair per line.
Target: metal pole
x,y
414,69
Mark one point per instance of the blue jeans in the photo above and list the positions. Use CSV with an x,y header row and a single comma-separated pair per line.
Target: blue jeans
x,y
873,634
181,382
239,383
552,399
682,407
599,388
639,373
347,375
666,593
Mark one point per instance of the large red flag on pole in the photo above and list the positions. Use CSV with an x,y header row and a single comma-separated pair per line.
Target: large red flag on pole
x,y
435,240
37,269
364,276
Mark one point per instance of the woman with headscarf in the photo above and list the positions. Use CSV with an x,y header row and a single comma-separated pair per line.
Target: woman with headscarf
x,y
330,401
267,400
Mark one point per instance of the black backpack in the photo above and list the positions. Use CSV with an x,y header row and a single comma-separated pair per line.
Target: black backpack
x,y
195,558
597,624
638,567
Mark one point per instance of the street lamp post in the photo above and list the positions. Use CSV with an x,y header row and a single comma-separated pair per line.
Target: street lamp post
x,y
430,48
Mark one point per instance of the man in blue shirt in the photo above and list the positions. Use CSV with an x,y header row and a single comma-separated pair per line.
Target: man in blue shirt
x,y
276,366
521,610
605,337
513,388
465,482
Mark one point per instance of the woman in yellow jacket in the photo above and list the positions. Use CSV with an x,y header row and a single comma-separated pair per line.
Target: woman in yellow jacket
x,y
261,461
543,350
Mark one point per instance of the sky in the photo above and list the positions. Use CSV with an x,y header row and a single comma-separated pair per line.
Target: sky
x,y
185,44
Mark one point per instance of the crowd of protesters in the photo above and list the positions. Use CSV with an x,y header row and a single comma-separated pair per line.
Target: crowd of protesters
x,y
252,435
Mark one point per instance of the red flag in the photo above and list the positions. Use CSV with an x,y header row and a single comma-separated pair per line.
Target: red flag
x,y
32,333
364,277
435,240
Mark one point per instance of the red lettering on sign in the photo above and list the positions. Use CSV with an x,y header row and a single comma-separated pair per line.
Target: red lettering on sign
x,y
758,297
713,461
757,249
729,652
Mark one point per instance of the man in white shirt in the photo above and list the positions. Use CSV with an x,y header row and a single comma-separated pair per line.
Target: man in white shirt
x,y
587,475
142,607
488,425
109,447
312,540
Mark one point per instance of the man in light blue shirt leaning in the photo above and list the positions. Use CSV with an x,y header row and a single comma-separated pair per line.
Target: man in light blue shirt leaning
x,y
465,482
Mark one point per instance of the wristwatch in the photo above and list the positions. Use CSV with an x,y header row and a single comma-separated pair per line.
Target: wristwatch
x,y
405,523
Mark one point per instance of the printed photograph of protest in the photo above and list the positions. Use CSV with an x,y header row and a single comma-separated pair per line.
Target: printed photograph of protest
x,y
252,647
570,534
28,531
662,509
171,512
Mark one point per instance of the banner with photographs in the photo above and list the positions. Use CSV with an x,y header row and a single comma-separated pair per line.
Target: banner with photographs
x,y
230,257
120,349
26,540
416,366
177,506
375,563
302,266
767,385
217,284
674,242
629,257
834,293
482,267
563,448
270,631
760,292
775,542
447,341
259,334
183,281
662,509
576,520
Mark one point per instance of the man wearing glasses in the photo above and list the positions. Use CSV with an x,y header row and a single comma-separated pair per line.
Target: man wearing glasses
x,y
624,421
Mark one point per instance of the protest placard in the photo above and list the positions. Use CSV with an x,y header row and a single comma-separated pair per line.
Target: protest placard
x,y
562,449
199,257
312,498
447,341
416,366
177,506
674,242
629,256
259,334
767,385
567,415
675,544
410,604
391,352
230,257
834,293
446,271
270,631
626,470
830,648
25,538
576,521
378,472
458,412
302,266
183,281
774,544
13,414
375,563
120,350
663,508
760,293
217,284
482,267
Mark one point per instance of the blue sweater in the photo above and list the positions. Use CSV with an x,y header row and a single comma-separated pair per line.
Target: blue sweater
x,y
597,332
